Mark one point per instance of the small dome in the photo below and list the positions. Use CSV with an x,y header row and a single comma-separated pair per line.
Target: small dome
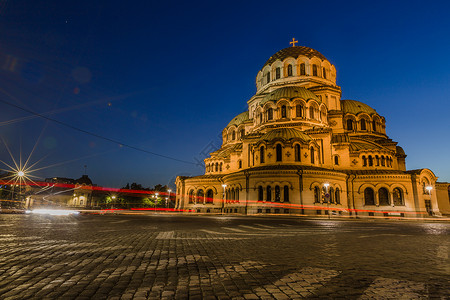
x,y
239,119
294,52
84,179
400,150
289,92
356,107
286,134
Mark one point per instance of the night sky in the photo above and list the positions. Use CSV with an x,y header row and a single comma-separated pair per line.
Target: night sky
x,y
167,76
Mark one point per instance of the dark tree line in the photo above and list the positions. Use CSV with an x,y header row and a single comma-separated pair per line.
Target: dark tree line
x,y
156,197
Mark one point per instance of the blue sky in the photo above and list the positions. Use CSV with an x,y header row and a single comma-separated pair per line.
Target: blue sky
x,y
167,76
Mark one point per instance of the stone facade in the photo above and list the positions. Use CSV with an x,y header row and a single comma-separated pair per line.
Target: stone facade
x,y
301,149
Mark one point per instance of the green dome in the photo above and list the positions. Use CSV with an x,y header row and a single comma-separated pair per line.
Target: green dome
x,y
286,134
294,52
289,92
357,146
400,150
356,107
239,119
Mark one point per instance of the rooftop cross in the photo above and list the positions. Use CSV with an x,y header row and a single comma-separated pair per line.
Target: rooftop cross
x,y
293,42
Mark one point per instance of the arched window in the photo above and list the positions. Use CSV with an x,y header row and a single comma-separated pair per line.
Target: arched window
x,y
336,160
316,194
324,72
311,113
220,167
377,160
232,194
390,162
260,193
314,70
260,118
233,135
369,198
277,194
363,124
270,114
299,110
283,111
374,126
200,196
364,161
382,161
311,150
331,193
289,70
349,124
302,69
370,161
277,73
240,164
217,167
242,133
323,115
297,152
337,196
191,196
268,77
209,196
278,152
397,196
383,196
286,193
236,194
269,193
261,154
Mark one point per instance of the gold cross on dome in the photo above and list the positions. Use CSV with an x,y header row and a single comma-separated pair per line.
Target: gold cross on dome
x,y
293,42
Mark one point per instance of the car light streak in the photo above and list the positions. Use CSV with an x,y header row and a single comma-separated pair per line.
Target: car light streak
x,y
53,212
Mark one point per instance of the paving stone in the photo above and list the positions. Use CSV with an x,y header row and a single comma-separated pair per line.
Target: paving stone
x,y
99,257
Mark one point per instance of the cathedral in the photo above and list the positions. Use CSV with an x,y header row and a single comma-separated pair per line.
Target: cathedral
x,y
301,149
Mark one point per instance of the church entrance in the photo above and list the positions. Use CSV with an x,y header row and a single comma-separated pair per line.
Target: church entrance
x,y
428,207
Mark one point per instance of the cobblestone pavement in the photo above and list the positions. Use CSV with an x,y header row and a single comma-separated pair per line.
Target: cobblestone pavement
x,y
196,257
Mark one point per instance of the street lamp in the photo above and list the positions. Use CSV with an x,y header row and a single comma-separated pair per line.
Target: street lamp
x,y
429,188
224,186
112,202
326,185
20,174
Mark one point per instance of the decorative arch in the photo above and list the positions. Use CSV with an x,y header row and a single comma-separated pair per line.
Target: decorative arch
x,y
398,185
302,60
398,197
289,61
323,113
347,120
209,197
363,186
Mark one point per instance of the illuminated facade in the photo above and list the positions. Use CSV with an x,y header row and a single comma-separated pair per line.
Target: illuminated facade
x,y
61,191
301,149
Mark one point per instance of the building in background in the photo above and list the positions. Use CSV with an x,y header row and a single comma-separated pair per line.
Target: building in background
x,y
61,192
300,148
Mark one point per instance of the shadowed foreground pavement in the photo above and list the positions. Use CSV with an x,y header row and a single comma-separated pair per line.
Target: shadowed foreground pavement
x,y
195,257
